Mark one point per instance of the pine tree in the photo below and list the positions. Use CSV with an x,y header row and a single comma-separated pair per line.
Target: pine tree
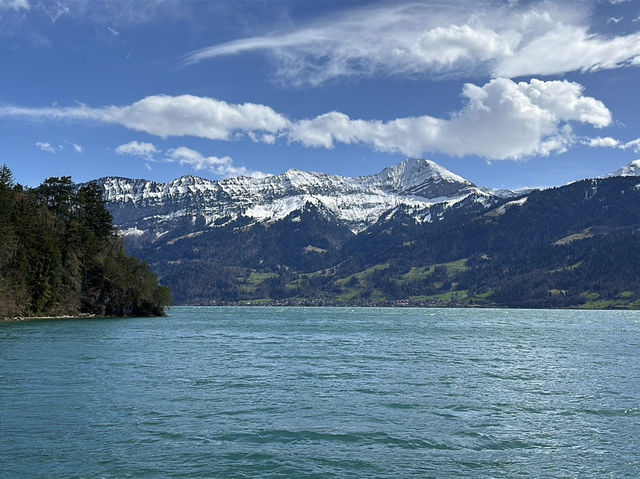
x,y
59,254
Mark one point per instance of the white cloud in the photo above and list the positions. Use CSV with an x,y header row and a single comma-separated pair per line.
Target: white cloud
x,y
116,15
14,5
54,10
606,142
634,144
571,48
44,146
166,116
141,149
501,120
126,13
268,139
609,142
441,38
220,166
77,148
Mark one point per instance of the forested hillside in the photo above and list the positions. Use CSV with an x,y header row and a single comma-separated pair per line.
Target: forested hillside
x,y
59,255
572,246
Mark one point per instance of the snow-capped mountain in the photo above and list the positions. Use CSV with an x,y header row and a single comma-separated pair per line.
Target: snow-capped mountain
x,y
413,232
143,207
632,169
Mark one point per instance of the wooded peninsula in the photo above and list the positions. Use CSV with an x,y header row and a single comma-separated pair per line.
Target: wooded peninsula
x,y
60,255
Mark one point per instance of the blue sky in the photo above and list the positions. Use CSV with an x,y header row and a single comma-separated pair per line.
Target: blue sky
x,y
507,94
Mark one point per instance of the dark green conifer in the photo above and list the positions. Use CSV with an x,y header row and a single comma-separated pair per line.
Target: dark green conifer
x,y
59,254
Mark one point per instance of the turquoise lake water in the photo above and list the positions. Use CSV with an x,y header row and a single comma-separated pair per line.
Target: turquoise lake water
x,y
323,392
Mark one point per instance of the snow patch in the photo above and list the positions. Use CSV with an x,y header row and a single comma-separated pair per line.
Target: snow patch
x,y
134,231
502,209
179,238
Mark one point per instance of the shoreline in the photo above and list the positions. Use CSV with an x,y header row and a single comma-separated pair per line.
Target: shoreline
x,y
19,319
403,306
24,319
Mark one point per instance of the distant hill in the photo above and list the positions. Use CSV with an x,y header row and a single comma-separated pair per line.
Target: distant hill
x,y
414,234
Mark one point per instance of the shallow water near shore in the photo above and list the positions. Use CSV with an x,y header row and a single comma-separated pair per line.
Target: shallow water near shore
x,y
323,392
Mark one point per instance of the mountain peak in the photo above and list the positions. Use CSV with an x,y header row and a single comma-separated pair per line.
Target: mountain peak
x,y
415,169
424,178
632,169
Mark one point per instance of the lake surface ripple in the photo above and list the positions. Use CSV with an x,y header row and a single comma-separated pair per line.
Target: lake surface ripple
x,y
323,392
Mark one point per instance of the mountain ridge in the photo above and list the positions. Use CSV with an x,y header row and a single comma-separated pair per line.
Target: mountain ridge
x,y
356,202
310,238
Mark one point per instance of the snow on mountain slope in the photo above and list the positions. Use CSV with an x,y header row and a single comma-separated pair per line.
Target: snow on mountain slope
x,y
632,169
422,178
146,206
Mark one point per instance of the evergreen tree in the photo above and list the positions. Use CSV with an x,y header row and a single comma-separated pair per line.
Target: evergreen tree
x,y
59,254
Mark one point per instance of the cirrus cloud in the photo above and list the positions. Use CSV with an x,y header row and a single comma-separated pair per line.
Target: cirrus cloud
x,y
433,39
14,5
